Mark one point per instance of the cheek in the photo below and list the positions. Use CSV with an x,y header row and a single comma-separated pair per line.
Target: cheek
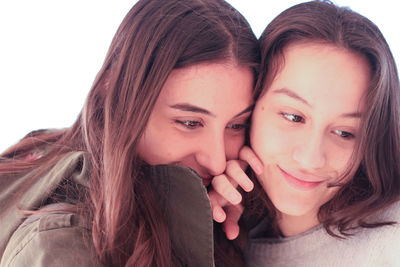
x,y
267,140
323,197
339,159
233,144
161,147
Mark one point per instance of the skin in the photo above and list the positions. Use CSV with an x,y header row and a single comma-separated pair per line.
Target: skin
x,y
305,128
224,197
199,119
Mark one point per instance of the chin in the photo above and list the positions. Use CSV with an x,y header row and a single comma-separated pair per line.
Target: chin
x,y
290,204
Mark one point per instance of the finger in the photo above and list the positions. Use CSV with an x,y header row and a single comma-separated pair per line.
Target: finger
x,y
231,224
226,189
231,230
216,202
219,214
248,155
235,171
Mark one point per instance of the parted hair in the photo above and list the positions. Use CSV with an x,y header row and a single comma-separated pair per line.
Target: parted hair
x,y
376,183
155,37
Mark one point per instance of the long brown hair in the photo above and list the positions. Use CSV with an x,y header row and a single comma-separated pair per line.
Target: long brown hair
x,y
155,37
376,183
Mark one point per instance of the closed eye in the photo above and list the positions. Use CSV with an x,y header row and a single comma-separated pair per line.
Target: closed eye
x,y
237,126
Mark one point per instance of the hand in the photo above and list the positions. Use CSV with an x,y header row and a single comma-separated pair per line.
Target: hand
x,y
225,198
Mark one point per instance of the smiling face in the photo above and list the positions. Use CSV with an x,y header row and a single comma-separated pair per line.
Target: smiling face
x,y
199,119
305,127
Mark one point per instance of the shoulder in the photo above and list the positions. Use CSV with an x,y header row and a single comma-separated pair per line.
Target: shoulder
x,y
30,189
380,235
51,239
392,212
383,240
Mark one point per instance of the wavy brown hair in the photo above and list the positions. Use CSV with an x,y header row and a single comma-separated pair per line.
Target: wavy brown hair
x,y
376,183
155,37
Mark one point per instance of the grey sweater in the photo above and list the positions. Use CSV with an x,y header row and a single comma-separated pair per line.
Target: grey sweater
x,y
316,248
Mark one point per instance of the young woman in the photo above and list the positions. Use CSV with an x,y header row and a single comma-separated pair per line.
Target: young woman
x,y
327,129
176,88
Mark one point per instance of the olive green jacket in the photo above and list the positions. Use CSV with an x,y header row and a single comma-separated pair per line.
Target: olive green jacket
x,y
64,238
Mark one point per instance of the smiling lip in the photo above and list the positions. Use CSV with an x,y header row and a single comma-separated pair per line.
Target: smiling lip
x,y
298,183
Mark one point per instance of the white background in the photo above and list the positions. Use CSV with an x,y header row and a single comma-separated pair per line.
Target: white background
x,y
51,50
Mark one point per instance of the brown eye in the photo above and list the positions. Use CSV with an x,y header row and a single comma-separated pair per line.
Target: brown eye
x,y
293,117
343,134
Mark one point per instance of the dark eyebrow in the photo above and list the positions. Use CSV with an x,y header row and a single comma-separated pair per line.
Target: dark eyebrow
x,y
248,109
291,94
192,108
355,115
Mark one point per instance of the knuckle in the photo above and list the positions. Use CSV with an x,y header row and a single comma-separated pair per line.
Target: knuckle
x,y
226,190
222,186
231,164
233,167
217,180
244,152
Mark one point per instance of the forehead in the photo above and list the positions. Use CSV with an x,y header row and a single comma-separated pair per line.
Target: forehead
x,y
216,86
323,72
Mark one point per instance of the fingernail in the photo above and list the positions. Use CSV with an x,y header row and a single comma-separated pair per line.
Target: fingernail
x,y
258,169
219,216
235,198
246,185
249,186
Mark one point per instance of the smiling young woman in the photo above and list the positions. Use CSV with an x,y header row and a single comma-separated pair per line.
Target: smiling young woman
x,y
326,127
304,129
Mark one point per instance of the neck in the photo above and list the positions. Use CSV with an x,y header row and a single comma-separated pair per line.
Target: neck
x,y
293,225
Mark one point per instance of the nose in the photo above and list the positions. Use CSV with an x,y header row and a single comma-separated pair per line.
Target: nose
x,y
212,156
310,153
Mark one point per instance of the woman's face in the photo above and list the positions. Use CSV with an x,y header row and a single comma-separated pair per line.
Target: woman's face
x,y
305,127
199,119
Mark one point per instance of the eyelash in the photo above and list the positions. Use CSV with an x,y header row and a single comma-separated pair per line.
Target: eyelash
x,y
238,126
190,124
298,119
344,134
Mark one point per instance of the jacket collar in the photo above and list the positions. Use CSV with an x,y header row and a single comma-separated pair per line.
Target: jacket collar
x,y
187,211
